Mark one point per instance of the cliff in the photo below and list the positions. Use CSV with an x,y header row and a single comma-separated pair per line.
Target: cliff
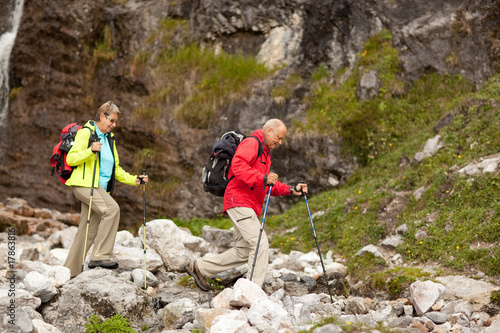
x,y
69,57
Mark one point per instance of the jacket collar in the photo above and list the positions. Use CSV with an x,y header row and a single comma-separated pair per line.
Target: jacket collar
x,y
260,135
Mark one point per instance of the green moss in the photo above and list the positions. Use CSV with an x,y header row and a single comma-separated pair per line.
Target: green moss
x,y
369,128
104,49
14,92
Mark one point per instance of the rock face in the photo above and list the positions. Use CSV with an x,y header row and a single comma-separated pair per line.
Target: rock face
x,y
59,77
96,291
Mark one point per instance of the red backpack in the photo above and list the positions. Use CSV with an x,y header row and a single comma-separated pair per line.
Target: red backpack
x,y
60,151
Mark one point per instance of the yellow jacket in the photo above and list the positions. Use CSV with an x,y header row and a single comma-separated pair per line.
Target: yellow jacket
x,y
82,156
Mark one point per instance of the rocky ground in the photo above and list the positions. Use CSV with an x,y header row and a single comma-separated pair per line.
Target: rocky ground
x,y
37,294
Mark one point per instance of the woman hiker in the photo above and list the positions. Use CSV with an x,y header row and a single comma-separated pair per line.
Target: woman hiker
x,y
105,212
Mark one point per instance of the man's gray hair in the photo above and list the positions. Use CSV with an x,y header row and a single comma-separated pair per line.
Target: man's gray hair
x,y
273,123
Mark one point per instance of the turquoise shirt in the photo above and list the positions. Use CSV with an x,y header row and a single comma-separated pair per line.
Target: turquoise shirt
x,y
107,160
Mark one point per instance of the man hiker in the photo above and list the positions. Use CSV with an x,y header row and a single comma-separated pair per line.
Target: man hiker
x,y
243,201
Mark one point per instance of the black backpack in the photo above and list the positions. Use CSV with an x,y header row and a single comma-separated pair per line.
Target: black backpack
x,y
61,149
214,174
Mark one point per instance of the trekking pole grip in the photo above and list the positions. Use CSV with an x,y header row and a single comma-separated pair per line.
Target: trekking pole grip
x,y
301,191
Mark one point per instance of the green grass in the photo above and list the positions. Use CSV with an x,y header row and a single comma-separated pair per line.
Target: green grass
x,y
115,324
468,205
102,53
216,79
395,281
196,225
383,130
286,90
495,297
371,127
348,326
192,82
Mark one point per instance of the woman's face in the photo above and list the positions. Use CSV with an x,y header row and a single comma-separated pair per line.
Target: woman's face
x,y
108,122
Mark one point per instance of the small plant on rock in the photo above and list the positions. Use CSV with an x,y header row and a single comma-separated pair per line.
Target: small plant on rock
x,y
186,281
495,297
115,324
215,285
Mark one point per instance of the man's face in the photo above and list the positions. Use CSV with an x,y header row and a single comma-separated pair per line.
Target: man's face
x,y
274,137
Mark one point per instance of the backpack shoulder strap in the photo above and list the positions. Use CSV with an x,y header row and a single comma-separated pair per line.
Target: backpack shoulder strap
x,y
93,134
261,147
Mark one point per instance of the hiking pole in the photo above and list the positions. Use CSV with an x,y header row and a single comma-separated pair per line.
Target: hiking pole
x,y
90,207
144,221
261,229
317,245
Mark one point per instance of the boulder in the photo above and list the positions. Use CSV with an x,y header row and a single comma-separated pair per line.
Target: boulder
x,y
176,247
40,285
100,292
423,295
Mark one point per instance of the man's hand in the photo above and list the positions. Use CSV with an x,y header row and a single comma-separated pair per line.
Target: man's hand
x,y
272,178
300,188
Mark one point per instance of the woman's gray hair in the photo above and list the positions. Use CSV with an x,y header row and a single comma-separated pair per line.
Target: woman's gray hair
x,y
107,108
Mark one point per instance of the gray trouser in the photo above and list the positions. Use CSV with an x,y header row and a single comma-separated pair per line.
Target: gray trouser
x,y
246,231
104,220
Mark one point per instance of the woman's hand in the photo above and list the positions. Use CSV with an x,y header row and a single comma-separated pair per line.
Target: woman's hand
x,y
141,179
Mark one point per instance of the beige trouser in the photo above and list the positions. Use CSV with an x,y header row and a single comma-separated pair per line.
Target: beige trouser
x,y
246,231
103,226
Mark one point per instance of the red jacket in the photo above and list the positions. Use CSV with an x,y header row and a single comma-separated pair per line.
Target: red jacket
x,y
247,189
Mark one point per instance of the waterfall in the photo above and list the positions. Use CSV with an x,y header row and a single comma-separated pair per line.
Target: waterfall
x,y
6,44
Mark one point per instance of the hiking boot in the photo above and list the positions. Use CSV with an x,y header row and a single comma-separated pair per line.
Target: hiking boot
x,y
103,263
199,279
